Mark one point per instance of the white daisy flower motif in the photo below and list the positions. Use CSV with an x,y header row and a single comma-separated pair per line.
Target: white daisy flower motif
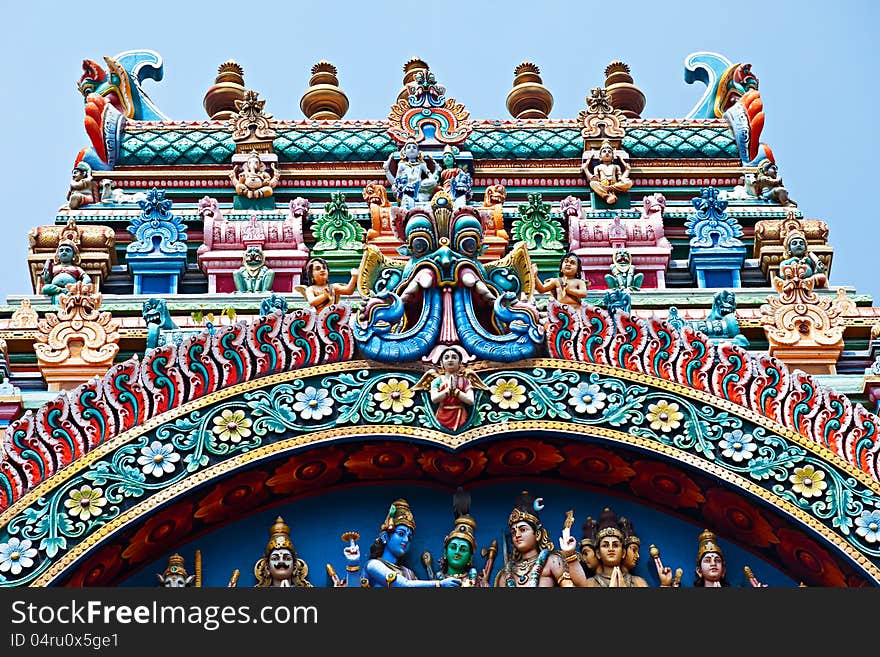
x,y
313,403
16,555
587,398
157,459
737,446
868,526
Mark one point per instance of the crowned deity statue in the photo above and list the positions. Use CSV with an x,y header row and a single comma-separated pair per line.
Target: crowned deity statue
x,y
590,530
607,178
414,177
535,562
451,389
768,185
254,275
460,546
711,570
387,565
797,252
83,188
318,290
617,551
175,575
62,270
279,566
623,274
568,288
253,179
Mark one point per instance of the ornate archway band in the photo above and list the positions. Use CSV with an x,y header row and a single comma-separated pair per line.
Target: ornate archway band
x,y
119,482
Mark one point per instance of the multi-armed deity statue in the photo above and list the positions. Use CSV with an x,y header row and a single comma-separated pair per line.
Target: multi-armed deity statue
x,y
534,561
387,564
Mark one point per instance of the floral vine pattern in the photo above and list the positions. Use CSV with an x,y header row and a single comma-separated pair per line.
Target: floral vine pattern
x,y
762,384
207,436
37,445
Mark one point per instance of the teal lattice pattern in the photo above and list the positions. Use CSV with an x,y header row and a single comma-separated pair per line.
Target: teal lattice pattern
x,y
685,142
531,144
163,147
194,147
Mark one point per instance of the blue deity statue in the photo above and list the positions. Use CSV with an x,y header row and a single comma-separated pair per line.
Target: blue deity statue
x,y
386,567
443,295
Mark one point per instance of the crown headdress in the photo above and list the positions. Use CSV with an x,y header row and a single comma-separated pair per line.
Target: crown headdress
x,y
399,513
465,526
175,566
279,536
525,510
629,536
608,526
707,542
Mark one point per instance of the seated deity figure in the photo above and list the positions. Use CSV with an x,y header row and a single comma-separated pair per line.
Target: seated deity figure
x,y
386,567
797,252
711,570
768,185
253,180
460,546
534,562
62,270
623,274
617,552
607,179
568,288
83,189
175,575
318,291
279,566
414,178
254,275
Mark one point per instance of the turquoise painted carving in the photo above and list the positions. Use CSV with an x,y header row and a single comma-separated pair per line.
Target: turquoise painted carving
x,y
187,146
157,256
121,82
716,252
157,229
720,325
158,319
154,462
712,226
443,295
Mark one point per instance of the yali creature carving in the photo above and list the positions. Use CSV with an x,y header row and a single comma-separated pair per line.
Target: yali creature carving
x,y
443,295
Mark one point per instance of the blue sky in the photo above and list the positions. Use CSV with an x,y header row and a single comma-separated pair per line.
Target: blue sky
x,y
815,63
